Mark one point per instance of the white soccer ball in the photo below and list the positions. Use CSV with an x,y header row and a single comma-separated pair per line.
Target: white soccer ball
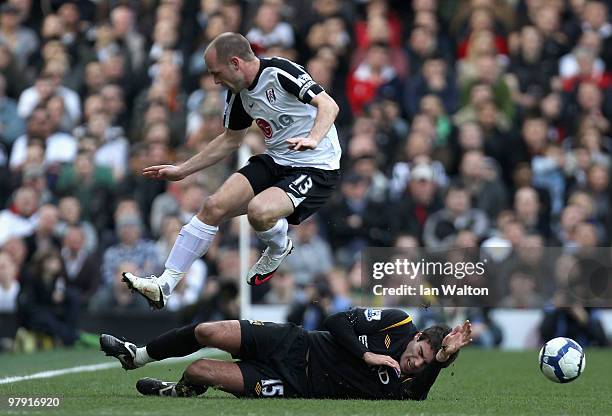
x,y
562,360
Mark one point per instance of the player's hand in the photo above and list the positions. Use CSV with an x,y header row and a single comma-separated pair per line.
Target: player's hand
x,y
377,359
459,337
163,172
302,143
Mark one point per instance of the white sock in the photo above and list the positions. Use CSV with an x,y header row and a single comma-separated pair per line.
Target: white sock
x,y
276,237
191,244
142,357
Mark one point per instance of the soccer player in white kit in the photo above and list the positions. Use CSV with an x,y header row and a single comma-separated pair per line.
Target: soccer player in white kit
x,y
292,179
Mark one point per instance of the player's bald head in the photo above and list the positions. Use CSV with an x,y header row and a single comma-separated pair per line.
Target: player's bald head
x,y
230,44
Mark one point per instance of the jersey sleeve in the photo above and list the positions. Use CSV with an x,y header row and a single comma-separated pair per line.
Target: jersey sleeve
x,y
346,327
235,116
295,80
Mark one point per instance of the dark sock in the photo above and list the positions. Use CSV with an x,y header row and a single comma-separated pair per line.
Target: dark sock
x,y
185,388
177,342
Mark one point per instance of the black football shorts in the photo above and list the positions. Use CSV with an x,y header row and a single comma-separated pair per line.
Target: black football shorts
x,y
308,188
272,359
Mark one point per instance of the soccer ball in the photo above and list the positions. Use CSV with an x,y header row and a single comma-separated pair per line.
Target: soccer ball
x,y
562,360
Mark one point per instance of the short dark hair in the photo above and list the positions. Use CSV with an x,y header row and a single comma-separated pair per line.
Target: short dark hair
x,y
231,44
434,336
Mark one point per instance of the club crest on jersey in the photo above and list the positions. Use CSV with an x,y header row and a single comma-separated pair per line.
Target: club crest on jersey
x,y
372,314
270,95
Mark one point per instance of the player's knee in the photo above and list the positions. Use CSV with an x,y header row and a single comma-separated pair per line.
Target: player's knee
x,y
204,332
260,214
200,373
213,211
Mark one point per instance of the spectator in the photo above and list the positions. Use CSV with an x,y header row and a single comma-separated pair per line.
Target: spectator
x,y
113,295
9,285
17,250
353,222
82,266
576,322
20,219
417,203
21,40
523,292
528,209
46,305
282,290
442,227
58,147
269,30
49,84
131,247
528,73
11,125
480,178
317,254
70,216
123,27
370,77
418,148
109,145
43,239
435,78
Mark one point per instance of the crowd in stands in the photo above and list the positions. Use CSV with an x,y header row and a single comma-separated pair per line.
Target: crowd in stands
x,y
464,123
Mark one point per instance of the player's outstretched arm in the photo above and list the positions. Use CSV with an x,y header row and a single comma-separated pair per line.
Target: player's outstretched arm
x,y
219,148
327,110
459,337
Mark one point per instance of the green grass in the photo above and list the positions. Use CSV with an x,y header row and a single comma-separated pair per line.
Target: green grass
x,y
479,383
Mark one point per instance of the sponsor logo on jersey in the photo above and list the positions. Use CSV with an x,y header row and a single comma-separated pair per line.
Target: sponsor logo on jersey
x,y
258,323
372,314
265,127
258,388
270,95
383,374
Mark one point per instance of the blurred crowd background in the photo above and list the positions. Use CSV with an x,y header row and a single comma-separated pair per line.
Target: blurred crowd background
x,y
464,123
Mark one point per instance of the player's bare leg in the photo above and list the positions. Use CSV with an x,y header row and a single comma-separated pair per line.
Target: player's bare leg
x,y
196,379
267,214
178,342
230,200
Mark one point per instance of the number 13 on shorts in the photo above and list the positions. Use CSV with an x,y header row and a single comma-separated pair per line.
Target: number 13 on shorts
x,y
303,184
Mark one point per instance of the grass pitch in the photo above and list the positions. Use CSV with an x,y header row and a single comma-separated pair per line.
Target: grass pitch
x,y
479,383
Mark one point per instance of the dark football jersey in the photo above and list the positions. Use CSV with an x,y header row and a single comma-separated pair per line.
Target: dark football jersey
x,y
335,366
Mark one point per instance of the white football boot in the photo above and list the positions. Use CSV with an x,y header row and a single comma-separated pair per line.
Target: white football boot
x,y
148,288
264,269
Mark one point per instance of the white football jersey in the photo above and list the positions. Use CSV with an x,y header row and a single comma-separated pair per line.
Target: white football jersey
x,y
278,100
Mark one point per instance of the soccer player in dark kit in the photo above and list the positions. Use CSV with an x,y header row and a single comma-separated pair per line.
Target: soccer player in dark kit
x,y
364,354
286,184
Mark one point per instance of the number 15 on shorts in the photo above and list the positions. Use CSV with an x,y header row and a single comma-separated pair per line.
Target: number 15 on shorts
x,y
272,388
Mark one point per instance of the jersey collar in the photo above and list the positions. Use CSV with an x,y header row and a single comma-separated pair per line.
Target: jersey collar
x,y
263,64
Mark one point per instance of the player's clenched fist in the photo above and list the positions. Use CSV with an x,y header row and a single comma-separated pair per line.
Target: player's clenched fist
x,y
163,172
